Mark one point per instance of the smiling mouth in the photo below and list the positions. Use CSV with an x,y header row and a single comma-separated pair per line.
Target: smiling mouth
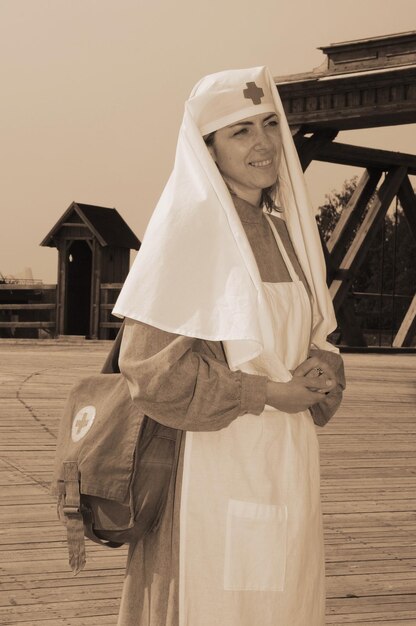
x,y
265,163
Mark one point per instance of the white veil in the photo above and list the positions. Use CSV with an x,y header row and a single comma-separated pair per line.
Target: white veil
x,y
195,273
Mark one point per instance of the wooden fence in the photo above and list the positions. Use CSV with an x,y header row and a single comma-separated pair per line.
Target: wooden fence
x,y
25,309
108,324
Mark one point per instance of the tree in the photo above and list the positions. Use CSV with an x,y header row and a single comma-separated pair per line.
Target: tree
x,y
389,269
336,201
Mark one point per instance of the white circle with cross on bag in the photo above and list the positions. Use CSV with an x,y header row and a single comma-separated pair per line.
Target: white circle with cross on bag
x,y
83,421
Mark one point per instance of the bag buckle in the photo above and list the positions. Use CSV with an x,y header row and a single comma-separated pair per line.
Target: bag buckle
x,y
71,511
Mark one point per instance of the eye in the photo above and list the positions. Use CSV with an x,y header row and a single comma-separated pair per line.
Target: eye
x,y
241,131
273,122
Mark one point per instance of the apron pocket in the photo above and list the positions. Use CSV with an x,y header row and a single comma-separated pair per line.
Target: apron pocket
x,y
255,547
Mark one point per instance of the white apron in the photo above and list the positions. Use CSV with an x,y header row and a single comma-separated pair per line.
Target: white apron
x,y
251,540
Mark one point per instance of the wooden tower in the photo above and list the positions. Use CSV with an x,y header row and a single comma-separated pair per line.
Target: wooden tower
x,y
362,84
94,246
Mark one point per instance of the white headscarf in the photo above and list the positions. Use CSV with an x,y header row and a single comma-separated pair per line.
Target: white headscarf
x,y
195,273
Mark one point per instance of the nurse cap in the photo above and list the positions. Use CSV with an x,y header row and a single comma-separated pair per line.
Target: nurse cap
x,y
226,97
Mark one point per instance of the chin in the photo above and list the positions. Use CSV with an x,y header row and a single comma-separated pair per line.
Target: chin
x,y
265,181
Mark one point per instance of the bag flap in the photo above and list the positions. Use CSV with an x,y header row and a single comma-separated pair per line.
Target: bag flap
x,y
99,431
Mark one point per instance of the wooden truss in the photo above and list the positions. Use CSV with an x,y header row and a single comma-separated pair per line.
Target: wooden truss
x,y
351,239
366,83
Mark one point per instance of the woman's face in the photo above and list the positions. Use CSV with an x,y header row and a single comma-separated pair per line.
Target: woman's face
x,y
248,154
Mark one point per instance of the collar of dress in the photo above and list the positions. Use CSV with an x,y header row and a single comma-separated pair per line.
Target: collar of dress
x,y
249,213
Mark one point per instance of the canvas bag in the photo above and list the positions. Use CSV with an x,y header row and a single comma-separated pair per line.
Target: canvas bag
x,y
113,464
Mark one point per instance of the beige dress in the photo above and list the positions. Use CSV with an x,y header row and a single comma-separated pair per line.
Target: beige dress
x,y
185,383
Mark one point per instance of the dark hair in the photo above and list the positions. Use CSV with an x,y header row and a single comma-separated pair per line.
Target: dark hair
x,y
266,198
209,139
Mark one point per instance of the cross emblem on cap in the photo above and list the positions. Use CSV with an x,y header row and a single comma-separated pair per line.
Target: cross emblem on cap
x,y
253,93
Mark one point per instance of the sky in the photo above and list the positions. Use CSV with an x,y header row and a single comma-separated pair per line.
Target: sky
x,y
93,93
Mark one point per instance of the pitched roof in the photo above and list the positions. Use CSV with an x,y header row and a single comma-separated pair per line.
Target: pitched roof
x,y
105,224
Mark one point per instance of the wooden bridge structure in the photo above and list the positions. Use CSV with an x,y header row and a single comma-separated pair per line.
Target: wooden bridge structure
x,y
362,84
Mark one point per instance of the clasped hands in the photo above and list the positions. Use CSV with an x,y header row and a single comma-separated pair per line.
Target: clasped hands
x,y
311,380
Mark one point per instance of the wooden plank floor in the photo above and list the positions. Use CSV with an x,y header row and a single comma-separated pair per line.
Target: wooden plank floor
x,y
368,492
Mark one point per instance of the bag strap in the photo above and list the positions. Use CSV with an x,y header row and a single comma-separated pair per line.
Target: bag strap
x,y
89,531
73,516
111,363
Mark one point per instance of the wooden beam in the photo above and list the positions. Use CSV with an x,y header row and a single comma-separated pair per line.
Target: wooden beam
x,y
373,294
365,234
407,199
351,215
344,117
358,156
77,224
111,285
95,290
362,84
27,324
61,321
407,329
328,262
347,101
308,147
27,307
71,238
20,287
104,308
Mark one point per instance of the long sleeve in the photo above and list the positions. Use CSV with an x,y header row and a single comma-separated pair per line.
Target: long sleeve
x,y
185,383
324,410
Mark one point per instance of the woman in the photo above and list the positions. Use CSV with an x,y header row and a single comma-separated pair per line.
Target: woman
x,y
225,304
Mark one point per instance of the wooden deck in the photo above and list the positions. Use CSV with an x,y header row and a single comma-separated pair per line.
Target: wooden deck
x,y
368,491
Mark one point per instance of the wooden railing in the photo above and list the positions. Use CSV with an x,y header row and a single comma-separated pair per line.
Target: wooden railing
x,y
386,330
20,308
108,324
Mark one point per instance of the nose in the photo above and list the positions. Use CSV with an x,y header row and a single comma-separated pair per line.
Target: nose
x,y
262,141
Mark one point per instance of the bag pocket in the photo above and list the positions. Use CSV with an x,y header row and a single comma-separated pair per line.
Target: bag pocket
x,y
130,521
255,547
